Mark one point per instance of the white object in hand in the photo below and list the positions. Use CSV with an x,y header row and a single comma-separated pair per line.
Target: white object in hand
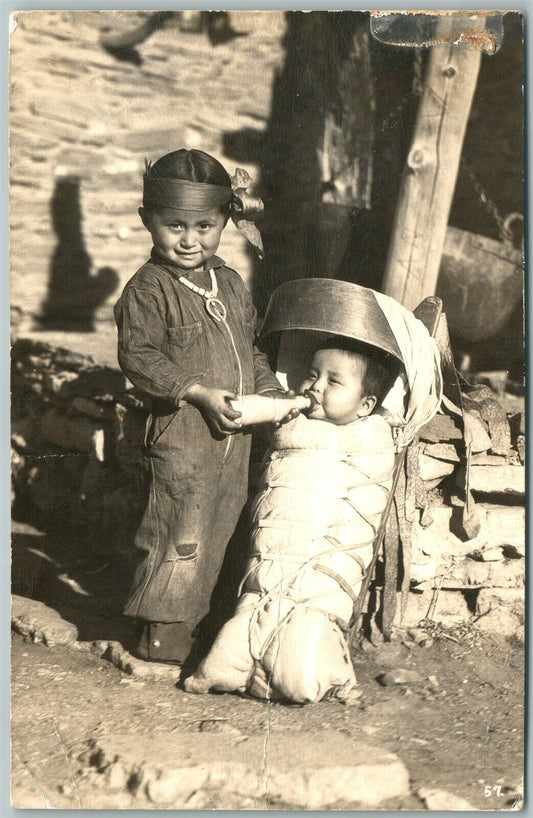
x,y
264,409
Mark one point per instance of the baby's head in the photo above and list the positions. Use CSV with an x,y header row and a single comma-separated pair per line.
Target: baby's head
x,y
347,379
186,204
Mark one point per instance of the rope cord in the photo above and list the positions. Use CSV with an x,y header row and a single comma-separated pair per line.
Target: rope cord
x,y
369,481
338,579
338,547
306,536
311,562
298,605
308,563
287,558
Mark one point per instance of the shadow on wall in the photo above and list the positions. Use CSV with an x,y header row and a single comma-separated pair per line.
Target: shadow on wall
x,y
74,294
122,44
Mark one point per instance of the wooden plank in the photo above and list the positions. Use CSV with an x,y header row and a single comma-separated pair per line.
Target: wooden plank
x,y
430,173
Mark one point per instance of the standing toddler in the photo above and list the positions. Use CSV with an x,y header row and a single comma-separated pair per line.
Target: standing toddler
x,y
186,327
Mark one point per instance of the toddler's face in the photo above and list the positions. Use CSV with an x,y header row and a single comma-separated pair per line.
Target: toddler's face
x,y
335,382
184,238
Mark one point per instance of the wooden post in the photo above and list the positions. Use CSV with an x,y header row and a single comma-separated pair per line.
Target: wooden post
x,y
430,173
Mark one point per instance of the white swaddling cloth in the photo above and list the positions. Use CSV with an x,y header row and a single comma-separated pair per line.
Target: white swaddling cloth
x,y
314,520
422,369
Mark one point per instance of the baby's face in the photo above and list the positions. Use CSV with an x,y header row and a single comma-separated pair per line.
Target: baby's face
x,y
335,382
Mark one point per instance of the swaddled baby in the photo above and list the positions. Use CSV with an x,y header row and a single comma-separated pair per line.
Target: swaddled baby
x,y
323,489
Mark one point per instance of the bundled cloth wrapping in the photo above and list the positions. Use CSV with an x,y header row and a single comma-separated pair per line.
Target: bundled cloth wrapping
x,y
314,520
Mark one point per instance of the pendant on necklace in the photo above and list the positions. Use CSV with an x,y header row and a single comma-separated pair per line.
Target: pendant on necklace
x,y
216,308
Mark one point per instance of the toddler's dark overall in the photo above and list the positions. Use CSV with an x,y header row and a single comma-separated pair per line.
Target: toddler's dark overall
x,y
197,493
167,342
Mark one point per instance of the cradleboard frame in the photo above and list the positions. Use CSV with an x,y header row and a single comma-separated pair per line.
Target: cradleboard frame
x,y
429,312
329,307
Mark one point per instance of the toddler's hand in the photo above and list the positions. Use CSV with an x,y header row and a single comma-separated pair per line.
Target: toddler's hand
x,y
214,405
293,413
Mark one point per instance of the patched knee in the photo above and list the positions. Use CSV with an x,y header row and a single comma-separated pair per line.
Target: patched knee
x,y
186,550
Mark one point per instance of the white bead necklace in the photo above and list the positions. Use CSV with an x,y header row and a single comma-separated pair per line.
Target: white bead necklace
x,y
213,305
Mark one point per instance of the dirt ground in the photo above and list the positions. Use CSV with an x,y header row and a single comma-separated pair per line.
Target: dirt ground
x,y
463,735
458,725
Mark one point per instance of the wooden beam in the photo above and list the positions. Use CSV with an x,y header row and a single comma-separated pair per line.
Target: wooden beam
x,y
430,172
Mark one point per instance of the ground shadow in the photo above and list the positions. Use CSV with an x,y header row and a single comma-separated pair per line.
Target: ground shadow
x,y
73,549
82,566
85,592
74,294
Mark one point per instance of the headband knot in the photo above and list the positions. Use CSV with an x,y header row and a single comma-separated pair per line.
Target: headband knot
x,y
245,209
181,194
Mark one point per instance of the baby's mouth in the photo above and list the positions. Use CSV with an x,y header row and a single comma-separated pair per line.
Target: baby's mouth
x,y
314,402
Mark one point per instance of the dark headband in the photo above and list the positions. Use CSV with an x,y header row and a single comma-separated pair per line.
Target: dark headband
x,y
180,194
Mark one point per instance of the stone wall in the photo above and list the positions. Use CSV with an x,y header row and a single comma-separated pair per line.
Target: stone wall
x,y
76,444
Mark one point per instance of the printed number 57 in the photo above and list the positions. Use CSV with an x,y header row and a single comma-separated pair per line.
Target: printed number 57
x,y
492,790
